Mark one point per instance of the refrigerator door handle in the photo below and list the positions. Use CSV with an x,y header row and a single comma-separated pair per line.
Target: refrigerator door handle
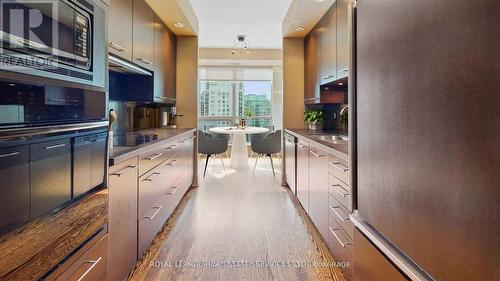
x,y
403,262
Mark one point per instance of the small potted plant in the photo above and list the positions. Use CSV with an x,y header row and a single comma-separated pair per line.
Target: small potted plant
x,y
314,119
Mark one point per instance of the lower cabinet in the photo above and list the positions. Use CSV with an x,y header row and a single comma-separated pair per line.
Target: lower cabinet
x,y
89,263
122,218
303,174
142,199
318,189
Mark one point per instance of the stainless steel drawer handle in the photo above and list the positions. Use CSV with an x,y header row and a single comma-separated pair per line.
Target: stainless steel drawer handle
x,y
143,60
334,209
171,147
328,77
117,47
300,145
340,192
173,190
55,146
154,215
344,70
173,162
311,99
124,171
339,166
94,263
152,177
10,154
150,158
316,154
343,244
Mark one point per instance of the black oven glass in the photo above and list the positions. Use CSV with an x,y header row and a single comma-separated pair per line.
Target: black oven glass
x,y
32,105
53,28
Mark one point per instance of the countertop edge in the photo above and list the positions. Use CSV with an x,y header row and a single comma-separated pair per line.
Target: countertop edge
x,y
337,153
115,160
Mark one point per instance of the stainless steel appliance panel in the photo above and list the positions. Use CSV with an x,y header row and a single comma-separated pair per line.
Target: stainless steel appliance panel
x,y
290,162
89,162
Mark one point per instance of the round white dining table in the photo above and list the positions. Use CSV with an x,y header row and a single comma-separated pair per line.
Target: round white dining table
x,y
239,152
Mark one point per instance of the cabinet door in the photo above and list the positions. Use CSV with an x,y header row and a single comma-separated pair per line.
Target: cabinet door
x,y
327,29
50,175
303,174
311,91
165,63
370,264
343,37
122,221
143,34
120,28
14,193
290,171
318,189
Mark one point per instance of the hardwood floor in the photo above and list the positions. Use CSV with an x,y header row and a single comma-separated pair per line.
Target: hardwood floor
x,y
241,217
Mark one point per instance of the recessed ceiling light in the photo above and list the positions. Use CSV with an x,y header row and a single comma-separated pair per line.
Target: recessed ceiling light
x,y
340,84
178,24
300,28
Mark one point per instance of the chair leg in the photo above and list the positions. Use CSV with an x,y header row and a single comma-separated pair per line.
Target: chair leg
x,y
206,164
255,166
251,155
222,161
272,164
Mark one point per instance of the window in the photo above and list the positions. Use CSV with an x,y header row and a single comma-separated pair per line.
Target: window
x,y
228,94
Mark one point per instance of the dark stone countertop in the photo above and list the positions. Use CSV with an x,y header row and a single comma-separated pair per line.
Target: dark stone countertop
x,y
340,146
126,146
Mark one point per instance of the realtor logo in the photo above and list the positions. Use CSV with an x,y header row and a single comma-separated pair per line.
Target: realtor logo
x,y
28,34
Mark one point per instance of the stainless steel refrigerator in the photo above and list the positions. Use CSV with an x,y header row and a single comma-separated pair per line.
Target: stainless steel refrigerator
x,y
428,138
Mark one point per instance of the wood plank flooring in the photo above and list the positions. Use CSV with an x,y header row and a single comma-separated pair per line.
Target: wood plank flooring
x,y
240,219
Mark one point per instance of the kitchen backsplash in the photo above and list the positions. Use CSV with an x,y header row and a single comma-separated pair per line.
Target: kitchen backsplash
x,y
333,119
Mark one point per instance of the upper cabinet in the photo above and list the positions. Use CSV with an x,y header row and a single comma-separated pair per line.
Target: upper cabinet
x,y
327,50
344,18
165,63
143,34
120,28
327,47
311,93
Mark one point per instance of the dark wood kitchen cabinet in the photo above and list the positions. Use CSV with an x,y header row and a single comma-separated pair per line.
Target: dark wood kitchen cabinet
x,y
165,63
327,46
303,173
311,83
120,28
344,18
50,175
318,188
143,34
122,222
14,194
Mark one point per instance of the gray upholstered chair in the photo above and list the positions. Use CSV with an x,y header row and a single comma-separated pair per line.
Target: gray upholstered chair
x,y
267,146
211,146
227,137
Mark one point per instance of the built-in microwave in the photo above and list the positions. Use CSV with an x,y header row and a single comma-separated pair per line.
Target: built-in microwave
x,y
55,39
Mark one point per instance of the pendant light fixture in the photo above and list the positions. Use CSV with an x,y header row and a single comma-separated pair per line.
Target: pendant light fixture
x,y
241,45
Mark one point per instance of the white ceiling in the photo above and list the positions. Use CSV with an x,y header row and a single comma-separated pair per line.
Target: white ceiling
x,y
221,20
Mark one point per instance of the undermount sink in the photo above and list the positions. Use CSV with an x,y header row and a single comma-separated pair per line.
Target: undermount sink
x,y
336,139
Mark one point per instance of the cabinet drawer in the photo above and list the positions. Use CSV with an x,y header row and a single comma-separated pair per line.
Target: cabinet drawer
x,y
339,168
341,248
339,191
90,266
340,215
157,183
156,156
